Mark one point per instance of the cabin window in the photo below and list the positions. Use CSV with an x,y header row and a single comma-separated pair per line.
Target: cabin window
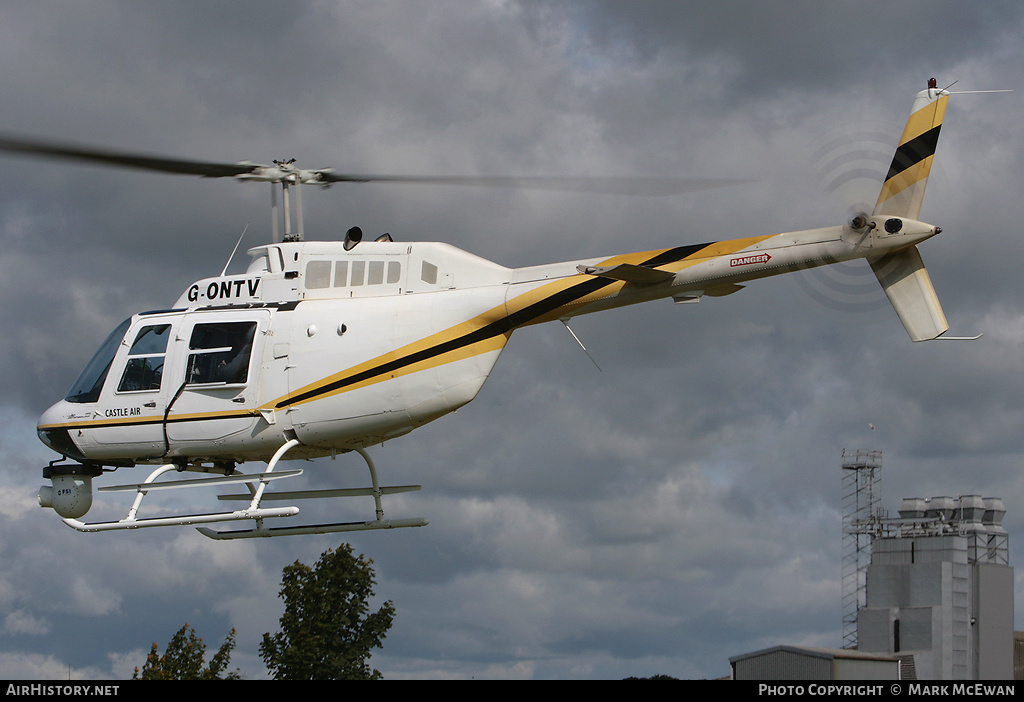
x,y
394,272
219,353
89,384
341,274
376,273
318,275
429,273
358,272
145,366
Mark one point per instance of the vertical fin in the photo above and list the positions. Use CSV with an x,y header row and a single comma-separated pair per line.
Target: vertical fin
x,y
903,190
902,274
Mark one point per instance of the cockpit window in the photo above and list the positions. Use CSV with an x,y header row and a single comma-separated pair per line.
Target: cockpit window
x,y
150,340
89,384
219,353
145,365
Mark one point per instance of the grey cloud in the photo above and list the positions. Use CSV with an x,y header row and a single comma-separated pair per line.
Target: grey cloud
x,y
675,508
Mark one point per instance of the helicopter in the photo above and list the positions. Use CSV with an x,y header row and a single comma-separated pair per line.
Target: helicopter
x,y
328,347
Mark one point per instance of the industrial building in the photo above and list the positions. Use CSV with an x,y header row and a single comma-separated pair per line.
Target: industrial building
x,y
927,594
940,589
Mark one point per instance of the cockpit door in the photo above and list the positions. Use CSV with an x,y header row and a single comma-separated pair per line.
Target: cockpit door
x,y
132,394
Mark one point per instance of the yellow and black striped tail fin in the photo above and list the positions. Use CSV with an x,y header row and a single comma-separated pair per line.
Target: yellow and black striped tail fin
x,y
904,186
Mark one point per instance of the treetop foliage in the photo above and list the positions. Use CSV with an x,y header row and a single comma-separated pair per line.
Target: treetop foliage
x,y
184,658
327,629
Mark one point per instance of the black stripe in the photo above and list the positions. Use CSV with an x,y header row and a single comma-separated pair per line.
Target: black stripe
x,y
501,326
914,151
672,255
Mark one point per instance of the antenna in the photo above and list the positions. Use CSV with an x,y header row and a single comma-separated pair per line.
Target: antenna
x,y
224,272
565,321
964,92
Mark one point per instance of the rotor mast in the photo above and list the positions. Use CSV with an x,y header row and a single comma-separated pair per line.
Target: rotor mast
x,y
290,176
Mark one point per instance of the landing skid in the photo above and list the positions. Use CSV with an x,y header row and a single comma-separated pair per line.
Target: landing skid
x,y
267,532
262,531
256,484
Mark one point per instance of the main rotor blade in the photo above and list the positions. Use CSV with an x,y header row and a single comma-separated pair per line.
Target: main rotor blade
x,y
115,158
580,184
326,176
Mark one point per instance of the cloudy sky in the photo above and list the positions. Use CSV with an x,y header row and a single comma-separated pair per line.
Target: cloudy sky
x,y
675,508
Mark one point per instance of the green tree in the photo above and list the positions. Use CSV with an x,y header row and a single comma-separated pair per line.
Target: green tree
x,y
327,629
184,658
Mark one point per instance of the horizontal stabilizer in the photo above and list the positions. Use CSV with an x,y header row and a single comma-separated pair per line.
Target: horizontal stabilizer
x,y
723,290
909,288
640,275
716,291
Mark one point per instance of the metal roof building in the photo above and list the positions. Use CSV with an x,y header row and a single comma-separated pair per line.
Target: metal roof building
x,y
805,663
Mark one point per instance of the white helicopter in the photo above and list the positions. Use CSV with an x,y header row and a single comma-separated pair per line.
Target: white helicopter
x,y
321,348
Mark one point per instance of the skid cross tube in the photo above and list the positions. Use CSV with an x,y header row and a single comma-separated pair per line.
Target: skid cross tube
x,y
374,482
375,490
258,492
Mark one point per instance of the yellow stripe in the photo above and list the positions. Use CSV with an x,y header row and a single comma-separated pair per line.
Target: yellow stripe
x,y
901,181
151,419
920,122
458,331
925,119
